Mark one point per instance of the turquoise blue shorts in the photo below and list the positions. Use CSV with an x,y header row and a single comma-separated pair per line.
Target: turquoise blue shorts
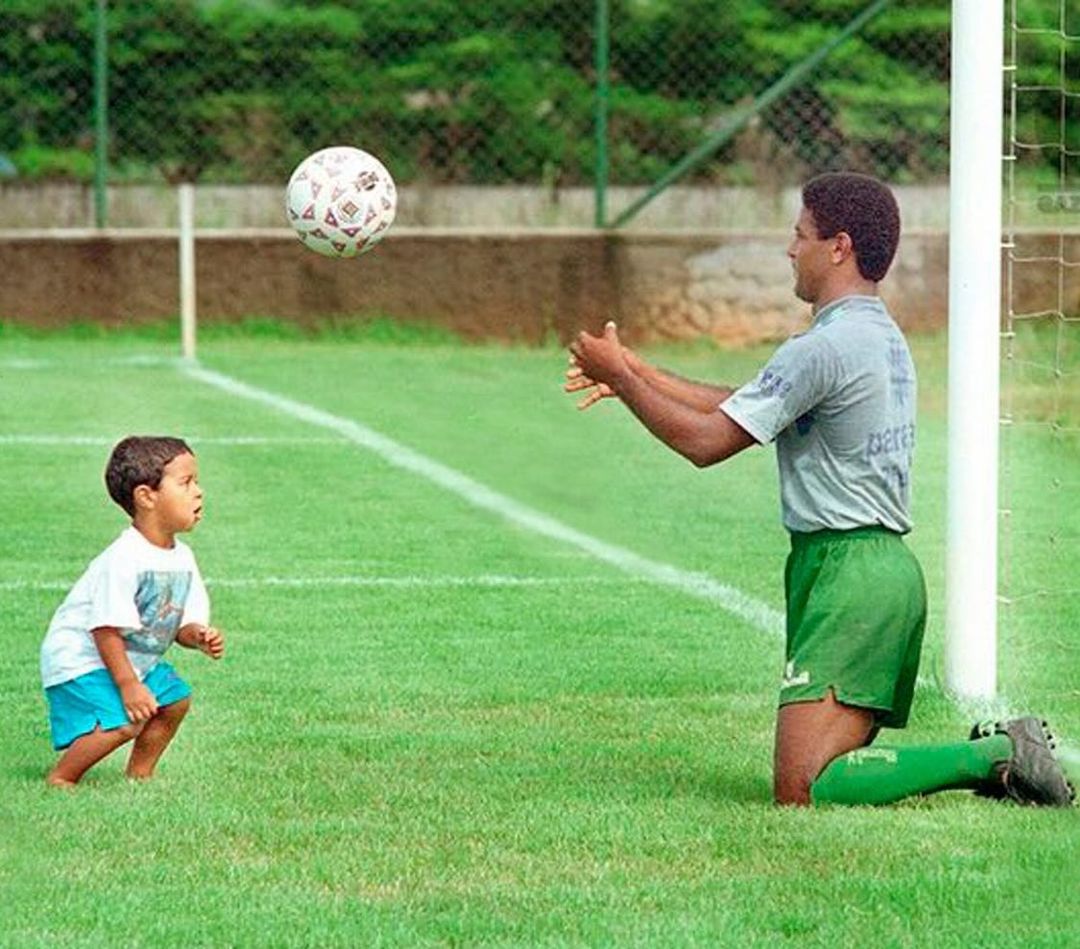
x,y
80,705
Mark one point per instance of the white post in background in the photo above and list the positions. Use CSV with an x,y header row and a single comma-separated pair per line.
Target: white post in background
x,y
974,347
187,270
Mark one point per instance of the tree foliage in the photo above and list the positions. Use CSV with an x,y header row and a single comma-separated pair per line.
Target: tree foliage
x,y
487,92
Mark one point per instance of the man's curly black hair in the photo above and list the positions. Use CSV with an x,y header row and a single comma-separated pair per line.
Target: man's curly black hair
x,y
864,209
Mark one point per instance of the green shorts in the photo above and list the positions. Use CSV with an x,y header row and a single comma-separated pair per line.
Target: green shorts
x,y
856,610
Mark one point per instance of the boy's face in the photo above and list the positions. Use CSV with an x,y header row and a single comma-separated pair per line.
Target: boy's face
x,y
177,501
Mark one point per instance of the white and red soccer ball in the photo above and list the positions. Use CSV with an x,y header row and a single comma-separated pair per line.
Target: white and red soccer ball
x,y
340,201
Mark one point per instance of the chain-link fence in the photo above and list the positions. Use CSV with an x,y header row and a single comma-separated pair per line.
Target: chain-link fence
x,y
488,92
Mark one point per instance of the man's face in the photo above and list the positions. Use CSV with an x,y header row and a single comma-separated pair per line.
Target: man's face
x,y
811,258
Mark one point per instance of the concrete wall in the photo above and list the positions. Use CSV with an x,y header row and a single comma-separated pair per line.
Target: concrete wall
x,y
731,283
525,285
261,206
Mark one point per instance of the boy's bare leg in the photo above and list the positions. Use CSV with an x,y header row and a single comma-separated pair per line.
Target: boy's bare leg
x,y
155,738
808,736
86,751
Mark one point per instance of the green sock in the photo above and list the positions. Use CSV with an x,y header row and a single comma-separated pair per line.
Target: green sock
x,y
883,775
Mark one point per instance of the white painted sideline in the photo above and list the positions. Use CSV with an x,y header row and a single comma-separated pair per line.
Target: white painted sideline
x,y
135,361
482,581
757,614
193,440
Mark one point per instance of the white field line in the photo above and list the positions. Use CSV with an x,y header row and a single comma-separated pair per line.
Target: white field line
x,y
411,582
193,440
754,612
480,581
136,360
757,614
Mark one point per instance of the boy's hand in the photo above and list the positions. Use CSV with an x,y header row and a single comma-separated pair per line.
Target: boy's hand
x,y
139,702
210,641
206,639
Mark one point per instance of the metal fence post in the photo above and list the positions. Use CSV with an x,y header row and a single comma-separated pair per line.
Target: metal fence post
x,y
603,40
101,105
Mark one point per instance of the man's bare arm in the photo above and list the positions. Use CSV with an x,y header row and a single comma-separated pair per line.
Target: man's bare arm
x,y
703,435
703,396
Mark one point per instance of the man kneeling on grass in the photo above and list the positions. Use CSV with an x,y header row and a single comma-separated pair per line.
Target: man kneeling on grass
x,y
101,661
839,401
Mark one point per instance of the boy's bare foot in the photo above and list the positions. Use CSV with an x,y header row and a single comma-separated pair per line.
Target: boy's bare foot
x,y
57,782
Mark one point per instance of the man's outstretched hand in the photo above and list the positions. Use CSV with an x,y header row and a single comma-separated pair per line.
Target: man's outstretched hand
x,y
577,381
595,361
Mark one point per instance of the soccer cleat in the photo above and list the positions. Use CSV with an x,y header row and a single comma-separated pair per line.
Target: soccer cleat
x,y
1032,775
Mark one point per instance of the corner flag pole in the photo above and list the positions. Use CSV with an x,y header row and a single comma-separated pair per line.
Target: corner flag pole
x,y
974,347
186,192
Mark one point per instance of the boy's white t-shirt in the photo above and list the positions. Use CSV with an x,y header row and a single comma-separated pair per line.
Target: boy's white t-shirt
x,y
146,591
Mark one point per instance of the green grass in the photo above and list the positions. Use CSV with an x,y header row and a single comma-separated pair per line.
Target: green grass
x,y
406,751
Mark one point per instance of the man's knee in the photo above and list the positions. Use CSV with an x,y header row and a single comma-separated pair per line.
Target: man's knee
x,y
791,788
809,736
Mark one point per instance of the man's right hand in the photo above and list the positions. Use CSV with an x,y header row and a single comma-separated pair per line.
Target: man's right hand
x,y
577,381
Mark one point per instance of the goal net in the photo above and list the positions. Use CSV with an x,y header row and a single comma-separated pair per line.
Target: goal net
x,y
1040,346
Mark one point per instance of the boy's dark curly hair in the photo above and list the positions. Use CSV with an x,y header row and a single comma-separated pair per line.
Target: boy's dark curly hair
x,y
140,459
864,209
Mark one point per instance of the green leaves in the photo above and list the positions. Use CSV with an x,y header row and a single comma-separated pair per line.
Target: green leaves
x,y
492,92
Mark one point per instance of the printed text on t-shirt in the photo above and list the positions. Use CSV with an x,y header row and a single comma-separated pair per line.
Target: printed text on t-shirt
x,y
889,440
773,384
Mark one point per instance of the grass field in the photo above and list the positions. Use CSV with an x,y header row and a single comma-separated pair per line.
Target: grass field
x,y
505,677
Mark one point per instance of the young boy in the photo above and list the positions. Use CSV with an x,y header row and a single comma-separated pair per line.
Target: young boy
x,y
101,661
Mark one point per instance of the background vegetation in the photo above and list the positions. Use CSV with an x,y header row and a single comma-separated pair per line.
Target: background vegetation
x,y
493,92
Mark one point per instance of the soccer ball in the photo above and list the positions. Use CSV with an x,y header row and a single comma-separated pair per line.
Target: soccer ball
x,y
340,201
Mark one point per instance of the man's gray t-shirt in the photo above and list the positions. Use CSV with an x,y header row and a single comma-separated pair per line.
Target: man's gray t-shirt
x,y
840,401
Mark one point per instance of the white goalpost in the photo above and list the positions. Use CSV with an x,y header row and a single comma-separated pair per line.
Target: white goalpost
x,y
974,347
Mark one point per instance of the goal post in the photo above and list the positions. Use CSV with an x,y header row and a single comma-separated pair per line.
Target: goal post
x,y
975,195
